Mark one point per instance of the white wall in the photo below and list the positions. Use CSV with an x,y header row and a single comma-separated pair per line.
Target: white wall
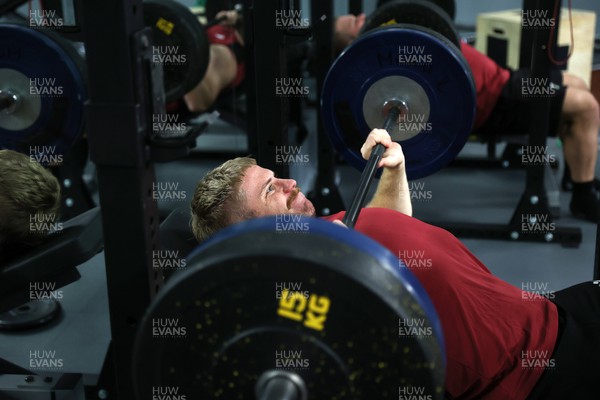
x,y
467,10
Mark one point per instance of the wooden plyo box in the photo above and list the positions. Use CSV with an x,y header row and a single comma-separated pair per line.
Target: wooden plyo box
x,y
505,26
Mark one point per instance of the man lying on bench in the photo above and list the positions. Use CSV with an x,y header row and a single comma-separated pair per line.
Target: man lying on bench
x,y
502,342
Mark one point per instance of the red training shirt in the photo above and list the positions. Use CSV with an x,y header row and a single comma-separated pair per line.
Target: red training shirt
x,y
490,79
487,323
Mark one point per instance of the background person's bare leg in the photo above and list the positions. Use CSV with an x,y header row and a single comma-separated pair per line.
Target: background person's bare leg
x,y
579,133
220,73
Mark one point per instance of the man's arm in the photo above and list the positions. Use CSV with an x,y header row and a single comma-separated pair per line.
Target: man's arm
x,y
392,191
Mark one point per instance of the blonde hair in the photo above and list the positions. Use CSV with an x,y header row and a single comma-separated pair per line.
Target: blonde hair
x,y
218,200
26,189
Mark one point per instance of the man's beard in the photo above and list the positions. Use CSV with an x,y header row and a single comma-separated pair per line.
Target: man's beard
x,y
306,210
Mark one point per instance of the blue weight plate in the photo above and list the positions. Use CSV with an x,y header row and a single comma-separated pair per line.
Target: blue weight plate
x,y
41,69
449,6
422,13
231,324
415,57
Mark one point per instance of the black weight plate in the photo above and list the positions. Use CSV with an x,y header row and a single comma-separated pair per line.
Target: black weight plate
x,y
405,63
180,45
214,329
420,13
449,6
48,116
31,315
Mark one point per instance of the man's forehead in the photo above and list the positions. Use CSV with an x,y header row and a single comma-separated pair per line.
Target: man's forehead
x,y
254,173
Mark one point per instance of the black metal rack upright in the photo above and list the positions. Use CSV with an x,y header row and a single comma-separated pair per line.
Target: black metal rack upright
x,y
265,61
355,7
534,199
325,194
118,52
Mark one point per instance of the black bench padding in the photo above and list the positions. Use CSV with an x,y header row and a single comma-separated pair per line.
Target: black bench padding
x,y
55,260
176,232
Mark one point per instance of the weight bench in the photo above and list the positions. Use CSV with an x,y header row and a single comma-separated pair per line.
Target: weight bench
x,y
176,233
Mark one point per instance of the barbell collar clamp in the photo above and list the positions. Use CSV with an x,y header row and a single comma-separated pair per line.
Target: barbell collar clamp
x,y
9,101
399,104
281,385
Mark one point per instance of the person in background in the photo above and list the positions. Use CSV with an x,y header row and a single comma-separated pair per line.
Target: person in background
x,y
226,69
27,191
503,109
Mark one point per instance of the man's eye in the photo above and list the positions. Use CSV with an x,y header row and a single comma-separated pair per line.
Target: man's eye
x,y
270,188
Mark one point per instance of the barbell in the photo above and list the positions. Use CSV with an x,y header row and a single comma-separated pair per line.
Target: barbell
x,y
400,102
41,104
342,296
42,91
405,66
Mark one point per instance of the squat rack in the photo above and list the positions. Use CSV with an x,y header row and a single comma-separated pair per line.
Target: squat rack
x,y
121,102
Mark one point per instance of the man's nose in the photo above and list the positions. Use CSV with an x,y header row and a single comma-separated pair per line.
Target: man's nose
x,y
287,184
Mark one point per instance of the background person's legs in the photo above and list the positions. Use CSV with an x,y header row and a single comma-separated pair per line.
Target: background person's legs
x,y
582,119
573,81
575,117
579,133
